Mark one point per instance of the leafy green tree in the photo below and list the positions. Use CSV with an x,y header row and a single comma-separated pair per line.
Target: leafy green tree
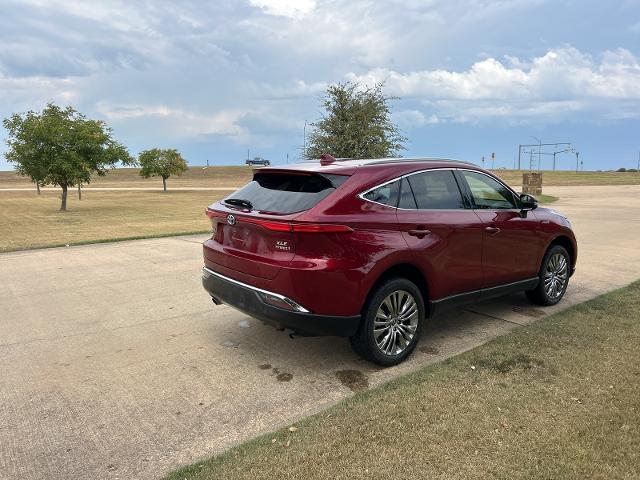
x,y
356,124
60,146
162,163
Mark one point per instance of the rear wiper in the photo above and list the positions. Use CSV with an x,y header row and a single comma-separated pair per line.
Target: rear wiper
x,y
239,202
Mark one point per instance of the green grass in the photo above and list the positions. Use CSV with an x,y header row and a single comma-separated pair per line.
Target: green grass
x,y
557,399
546,198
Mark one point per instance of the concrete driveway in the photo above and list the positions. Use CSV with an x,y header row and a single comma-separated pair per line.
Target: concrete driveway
x,y
115,364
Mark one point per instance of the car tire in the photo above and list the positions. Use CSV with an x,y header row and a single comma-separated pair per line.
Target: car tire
x,y
553,277
389,330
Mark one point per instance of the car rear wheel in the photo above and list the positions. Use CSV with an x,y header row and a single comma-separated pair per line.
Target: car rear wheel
x,y
391,323
553,277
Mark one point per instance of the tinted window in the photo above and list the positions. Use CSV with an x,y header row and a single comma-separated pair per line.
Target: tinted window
x,y
436,190
287,192
406,196
488,193
386,194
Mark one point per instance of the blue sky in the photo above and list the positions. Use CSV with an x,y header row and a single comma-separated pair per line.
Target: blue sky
x,y
214,79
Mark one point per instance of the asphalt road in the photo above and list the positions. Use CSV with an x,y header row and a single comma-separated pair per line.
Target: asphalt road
x,y
115,364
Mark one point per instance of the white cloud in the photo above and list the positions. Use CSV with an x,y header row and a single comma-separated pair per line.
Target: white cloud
x,y
560,82
285,8
23,93
411,119
180,123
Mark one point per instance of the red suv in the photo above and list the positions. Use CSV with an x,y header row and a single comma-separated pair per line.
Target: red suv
x,y
371,248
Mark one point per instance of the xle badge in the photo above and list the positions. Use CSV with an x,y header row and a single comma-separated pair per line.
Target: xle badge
x,y
282,245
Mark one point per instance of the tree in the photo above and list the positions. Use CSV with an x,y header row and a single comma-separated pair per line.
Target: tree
x,y
161,163
356,124
61,147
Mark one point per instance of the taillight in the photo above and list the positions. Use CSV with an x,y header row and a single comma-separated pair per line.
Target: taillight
x,y
215,217
298,227
268,224
320,228
276,226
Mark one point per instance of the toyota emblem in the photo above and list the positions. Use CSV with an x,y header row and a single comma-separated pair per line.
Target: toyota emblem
x,y
231,220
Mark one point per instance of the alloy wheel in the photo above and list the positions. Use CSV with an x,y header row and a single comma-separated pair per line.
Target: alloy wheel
x,y
555,276
396,322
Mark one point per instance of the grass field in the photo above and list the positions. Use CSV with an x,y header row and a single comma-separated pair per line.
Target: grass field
x,y
569,178
557,399
238,176
130,177
30,221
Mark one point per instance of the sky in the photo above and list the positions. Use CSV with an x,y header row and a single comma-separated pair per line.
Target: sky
x,y
215,79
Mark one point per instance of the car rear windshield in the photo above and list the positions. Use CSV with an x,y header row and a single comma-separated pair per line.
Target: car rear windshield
x,y
284,193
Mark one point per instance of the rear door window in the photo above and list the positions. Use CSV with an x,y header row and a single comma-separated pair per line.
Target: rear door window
x,y
406,196
436,190
285,193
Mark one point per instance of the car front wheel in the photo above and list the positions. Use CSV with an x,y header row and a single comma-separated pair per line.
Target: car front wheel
x,y
553,277
391,323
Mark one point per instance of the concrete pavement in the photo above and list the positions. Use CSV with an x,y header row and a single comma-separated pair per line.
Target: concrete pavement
x,y
115,364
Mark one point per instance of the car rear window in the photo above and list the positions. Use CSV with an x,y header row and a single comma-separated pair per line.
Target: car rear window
x,y
285,193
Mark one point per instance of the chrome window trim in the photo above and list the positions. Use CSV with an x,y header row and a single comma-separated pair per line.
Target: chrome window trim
x,y
207,272
362,194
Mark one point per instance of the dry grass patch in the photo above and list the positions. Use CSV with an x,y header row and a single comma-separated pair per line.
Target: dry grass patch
x,y
130,177
237,176
569,178
30,221
558,399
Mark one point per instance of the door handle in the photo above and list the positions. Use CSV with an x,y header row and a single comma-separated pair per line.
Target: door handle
x,y
420,233
492,230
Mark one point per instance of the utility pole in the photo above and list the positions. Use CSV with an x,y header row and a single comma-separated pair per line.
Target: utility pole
x,y
287,159
577,158
519,152
554,161
493,160
482,161
304,140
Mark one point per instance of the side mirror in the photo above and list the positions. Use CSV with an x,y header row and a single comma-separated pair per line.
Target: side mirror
x,y
528,202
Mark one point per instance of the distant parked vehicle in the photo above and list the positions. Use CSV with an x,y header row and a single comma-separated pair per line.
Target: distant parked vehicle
x,y
257,161
370,249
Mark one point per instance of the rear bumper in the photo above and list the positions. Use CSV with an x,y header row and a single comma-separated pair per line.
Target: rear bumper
x,y
250,300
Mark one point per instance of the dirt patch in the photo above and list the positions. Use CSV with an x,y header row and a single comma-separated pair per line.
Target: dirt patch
x,y
530,312
506,365
264,366
284,377
353,379
429,350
